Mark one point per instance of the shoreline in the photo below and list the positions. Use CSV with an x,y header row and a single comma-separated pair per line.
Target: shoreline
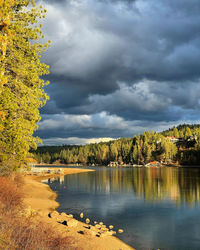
x,y
120,166
44,200
41,200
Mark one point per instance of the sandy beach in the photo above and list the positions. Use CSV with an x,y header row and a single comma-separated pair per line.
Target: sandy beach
x,y
41,200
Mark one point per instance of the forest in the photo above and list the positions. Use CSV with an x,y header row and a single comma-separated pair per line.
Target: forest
x,y
178,145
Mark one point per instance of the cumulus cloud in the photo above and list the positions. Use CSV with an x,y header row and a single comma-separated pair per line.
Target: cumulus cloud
x,y
83,126
100,120
74,141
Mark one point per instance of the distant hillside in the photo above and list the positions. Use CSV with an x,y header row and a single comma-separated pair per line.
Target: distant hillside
x,y
182,128
177,145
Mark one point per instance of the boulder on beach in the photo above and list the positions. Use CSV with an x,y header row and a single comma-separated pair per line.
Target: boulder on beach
x,y
72,223
70,215
54,215
98,226
63,214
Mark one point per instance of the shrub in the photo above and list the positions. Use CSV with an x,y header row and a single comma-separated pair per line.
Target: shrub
x,y
10,195
20,232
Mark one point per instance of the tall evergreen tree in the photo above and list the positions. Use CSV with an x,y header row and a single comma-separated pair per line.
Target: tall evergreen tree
x,y
188,132
21,89
135,154
175,132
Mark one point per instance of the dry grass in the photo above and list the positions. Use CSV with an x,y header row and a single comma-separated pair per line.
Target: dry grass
x,y
19,232
22,233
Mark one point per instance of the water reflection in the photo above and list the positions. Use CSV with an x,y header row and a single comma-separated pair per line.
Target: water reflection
x,y
180,185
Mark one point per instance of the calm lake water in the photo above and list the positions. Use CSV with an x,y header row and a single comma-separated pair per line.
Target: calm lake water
x,y
158,208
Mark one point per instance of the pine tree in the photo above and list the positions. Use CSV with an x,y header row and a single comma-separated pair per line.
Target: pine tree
x,y
147,152
175,132
181,134
188,132
21,89
135,154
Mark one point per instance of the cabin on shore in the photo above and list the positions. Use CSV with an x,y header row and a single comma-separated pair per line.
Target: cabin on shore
x,y
153,164
113,164
173,139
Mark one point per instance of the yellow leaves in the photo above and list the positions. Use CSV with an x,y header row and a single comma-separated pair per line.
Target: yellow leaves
x,y
3,25
6,22
33,3
4,80
7,3
3,46
2,115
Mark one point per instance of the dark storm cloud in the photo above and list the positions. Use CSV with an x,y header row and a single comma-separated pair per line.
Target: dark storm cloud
x,y
88,133
160,43
134,60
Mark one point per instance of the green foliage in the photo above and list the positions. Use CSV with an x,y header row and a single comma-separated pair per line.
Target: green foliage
x,y
21,89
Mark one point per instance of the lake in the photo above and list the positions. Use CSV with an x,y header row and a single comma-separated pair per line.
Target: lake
x,y
158,208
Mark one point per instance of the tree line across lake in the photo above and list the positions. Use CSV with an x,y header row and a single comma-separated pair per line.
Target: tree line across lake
x,y
179,145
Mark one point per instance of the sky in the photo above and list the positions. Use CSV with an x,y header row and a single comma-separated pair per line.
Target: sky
x,y
119,67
